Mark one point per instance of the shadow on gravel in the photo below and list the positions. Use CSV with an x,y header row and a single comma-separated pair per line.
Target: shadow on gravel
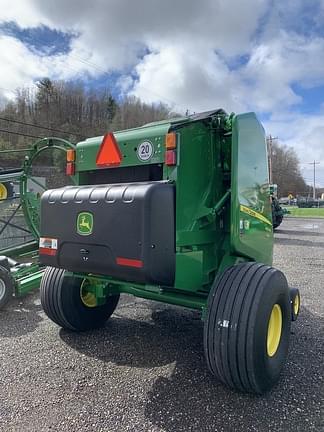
x,y
190,399
21,316
141,344
297,242
300,233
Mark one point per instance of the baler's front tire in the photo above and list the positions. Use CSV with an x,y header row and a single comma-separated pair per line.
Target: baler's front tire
x,y
247,329
62,302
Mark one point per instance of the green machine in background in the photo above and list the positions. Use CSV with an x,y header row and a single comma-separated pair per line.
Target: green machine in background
x,y
177,211
20,192
277,211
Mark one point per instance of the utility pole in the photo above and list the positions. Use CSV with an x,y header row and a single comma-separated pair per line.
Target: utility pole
x,y
269,142
314,163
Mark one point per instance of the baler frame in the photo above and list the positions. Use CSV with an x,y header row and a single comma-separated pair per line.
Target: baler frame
x,y
25,278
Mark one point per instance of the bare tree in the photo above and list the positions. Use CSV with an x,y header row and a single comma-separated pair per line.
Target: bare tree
x,y
286,171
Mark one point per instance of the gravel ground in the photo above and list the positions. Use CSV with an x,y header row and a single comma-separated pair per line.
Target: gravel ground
x,y
146,371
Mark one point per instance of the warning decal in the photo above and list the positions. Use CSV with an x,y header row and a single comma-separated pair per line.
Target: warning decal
x,y
254,214
47,246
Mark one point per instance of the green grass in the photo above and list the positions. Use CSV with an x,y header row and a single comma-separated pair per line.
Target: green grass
x,y
305,212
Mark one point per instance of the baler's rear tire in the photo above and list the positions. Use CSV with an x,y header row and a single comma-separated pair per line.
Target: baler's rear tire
x,y
62,302
247,329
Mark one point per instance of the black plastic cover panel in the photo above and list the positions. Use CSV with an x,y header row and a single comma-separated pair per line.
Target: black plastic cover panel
x,y
121,230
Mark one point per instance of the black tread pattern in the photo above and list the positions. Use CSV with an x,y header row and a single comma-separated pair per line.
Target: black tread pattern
x,y
60,299
49,290
230,324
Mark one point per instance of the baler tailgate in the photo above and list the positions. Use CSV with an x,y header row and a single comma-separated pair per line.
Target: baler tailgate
x,y
251,220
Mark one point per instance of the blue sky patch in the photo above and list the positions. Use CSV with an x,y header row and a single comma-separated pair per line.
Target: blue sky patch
x,y
40,40
312,98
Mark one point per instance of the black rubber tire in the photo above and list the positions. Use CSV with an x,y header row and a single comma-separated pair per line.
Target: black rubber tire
x,y
278,221
294,292
8,285
61,301
236,327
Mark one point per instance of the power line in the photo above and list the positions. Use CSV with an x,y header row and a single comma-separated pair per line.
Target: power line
x,y
105,72
21,134
317,178
39,126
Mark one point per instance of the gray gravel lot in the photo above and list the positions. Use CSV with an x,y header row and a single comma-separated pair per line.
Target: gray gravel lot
x,y
146,371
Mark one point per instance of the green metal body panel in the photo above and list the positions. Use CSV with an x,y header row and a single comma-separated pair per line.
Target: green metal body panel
x,y
20,250
251,213
102,287
198,181
223,211
128,142
28,282
25,278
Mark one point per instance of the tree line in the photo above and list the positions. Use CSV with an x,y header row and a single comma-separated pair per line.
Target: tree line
x,y
73,110
69,110
286,172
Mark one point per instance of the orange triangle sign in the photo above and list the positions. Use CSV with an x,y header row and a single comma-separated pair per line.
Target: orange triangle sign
x,y
109,153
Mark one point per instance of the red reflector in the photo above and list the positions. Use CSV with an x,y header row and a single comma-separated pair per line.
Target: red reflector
x,y
70,168
170,157
47,251
129,262
109,153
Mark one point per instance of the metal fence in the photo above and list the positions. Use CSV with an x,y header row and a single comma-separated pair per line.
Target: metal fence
x,y
13,227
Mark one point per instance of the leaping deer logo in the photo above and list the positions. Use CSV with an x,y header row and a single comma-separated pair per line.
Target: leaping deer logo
x,y
85,223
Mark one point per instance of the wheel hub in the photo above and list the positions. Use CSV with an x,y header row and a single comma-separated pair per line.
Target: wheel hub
x,y
88,298
296,305
274,330
3,192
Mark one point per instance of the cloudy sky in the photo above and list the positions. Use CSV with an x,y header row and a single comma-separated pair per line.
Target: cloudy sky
x,y
261,55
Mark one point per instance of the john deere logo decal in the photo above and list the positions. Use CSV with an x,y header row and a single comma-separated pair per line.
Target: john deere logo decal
x,y
85,223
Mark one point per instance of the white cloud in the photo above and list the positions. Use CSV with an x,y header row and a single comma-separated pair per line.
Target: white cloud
x,y
115,36
194,75
238,55
26,13
275,66
20,66
305,133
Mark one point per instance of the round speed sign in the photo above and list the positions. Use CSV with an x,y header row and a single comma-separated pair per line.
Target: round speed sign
x,y
145,151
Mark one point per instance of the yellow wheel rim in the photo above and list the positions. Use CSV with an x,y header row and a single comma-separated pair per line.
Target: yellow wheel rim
x,y
87,297
274,330
296,304
3,192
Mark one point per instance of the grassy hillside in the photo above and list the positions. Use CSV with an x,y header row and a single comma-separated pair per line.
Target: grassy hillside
x,y
305,212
